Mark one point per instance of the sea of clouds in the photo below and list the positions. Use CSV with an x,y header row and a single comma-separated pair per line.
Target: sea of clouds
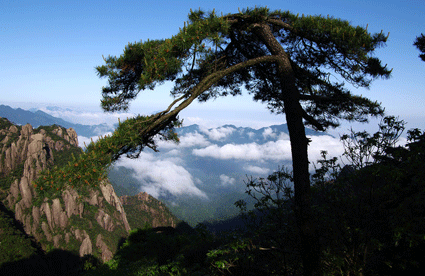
x,y
170,172
173,171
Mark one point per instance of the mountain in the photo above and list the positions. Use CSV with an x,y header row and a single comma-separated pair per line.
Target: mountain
x,y
144,210
80,219
38,118
202,176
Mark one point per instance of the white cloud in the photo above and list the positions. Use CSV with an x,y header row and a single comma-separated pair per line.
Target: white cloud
x,y
268,132
330,144
85,141
186,141
227,180
283,136
158,177
256,169
85,117
273,150
193,139
218,133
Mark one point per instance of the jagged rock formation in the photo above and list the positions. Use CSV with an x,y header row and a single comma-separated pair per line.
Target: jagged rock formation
x,y
61,221
89,221
153,212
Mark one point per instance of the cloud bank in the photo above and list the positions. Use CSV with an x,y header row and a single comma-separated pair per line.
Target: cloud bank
x,y
279,150
273,150
158,177
86,117
218,133
188,140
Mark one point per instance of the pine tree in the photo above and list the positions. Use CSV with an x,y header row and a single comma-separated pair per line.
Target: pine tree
x,y
282,59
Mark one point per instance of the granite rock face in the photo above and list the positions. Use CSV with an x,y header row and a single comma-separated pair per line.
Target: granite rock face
x,y
90,220
53,220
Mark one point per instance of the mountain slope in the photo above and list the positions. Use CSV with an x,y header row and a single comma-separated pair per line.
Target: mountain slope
x,y
62,214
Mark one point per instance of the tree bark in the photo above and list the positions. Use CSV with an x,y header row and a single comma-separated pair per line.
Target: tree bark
x,y
310,251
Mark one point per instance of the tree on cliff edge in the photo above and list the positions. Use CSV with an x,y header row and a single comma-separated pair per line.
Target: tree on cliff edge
x,y
284,60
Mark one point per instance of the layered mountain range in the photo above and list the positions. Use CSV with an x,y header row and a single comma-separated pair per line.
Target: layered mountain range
x,y
84,221
38,118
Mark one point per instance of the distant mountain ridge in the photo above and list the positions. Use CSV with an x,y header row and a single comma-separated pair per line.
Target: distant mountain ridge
x,y
38,118
241,135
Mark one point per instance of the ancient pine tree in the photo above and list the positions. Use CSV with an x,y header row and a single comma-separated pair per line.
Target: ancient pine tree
x,y
296,64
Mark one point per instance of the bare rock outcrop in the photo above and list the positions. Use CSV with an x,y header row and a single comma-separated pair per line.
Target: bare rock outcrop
x,y
45,209
86,247
105,220
26,192
70,135
56,240
80,235
94,198
106,254
72,207
26,131
46,231
59,215
13,194
112,198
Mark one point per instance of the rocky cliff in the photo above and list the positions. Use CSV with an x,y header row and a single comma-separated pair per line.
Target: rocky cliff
x,y
87,219
145,210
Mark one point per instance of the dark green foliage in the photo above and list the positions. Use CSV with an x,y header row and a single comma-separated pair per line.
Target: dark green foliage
x,y
271,228
4,124
159,251
142,213
14,243
372,218
7,180
360,148
420,44
56,262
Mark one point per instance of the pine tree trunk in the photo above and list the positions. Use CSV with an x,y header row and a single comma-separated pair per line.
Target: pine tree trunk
x,y
310,251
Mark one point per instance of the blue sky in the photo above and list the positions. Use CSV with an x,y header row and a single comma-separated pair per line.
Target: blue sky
x,y
49,49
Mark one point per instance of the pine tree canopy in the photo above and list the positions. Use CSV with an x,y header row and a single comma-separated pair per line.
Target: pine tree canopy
x,y
215,56
297,65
